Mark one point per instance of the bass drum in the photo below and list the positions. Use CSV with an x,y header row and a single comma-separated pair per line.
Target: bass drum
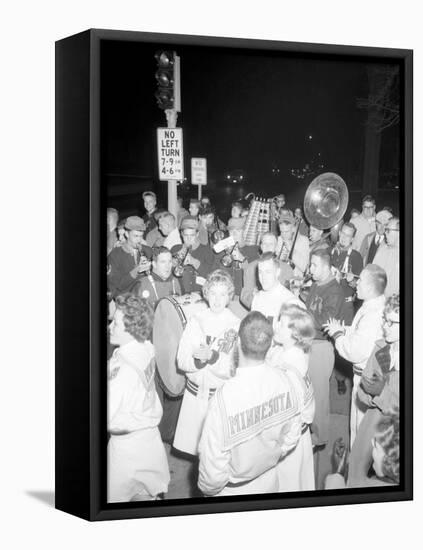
x,y
170,319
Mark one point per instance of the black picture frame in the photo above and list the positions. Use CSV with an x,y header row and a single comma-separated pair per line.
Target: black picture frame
x,y
81,283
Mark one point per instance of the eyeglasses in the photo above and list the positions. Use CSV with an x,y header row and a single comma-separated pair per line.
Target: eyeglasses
x,y
389,322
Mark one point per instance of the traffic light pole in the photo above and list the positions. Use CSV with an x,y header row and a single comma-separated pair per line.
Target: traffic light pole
x,y
172,195
168,97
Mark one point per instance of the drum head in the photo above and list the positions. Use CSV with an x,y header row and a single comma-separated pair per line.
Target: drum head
x,y
167,332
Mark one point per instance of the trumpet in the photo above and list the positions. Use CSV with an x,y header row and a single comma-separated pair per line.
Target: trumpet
x,y
219,234
228,260
300,286
144,264
179,259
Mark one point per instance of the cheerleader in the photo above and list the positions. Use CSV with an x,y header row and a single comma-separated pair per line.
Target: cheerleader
x,y
136,458
205,355
293,336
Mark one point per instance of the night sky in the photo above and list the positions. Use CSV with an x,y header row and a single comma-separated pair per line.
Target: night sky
x,y
241,109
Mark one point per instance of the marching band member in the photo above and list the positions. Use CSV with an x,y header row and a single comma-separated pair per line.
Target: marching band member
x,y
355,343
168,228
279,203
236,231
199,258
250,286
299,218
273,295
129,262
209,223
160,282
287,241
347,265
152,287
317,239
205,355
136,458
324,301
293,336
253,420
240,254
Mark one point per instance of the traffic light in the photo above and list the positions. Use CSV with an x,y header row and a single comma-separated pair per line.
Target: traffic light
x,y
168,80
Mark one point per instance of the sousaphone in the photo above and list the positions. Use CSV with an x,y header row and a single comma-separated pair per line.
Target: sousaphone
x,y
326,200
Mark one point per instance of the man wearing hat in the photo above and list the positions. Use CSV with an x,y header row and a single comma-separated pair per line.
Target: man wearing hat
x,y
128,263
372,241
289,248
198,259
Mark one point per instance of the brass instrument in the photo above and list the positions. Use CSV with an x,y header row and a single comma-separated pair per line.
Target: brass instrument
x,y
219,234
228,260
143,260
288,260
179,258
325,203
326,200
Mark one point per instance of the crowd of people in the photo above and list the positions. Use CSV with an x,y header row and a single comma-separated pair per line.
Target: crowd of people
x,y
265,327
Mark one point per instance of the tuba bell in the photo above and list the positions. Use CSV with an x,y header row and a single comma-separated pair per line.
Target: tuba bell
x,y
326,200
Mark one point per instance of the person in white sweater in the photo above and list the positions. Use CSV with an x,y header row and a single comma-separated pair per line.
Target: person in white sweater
x,y
253,420
293,337
356,342
273,295
205,356
137,467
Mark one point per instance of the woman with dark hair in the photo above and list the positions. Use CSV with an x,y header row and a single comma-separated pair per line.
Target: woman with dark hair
x,y
137,467
205,355
293,335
